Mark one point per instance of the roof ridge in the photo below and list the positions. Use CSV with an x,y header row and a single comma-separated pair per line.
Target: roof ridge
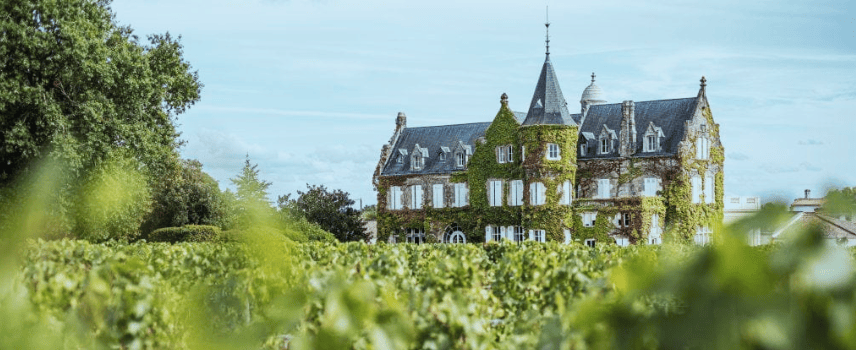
x,y
665,99
437,126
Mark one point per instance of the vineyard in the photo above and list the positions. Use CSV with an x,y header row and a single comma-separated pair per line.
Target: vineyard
x,y
269,292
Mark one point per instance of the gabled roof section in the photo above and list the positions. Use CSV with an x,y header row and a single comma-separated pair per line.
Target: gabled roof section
x,y
435,139
548,105
669,115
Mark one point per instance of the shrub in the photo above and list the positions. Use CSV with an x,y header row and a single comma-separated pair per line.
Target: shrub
x,y
187,233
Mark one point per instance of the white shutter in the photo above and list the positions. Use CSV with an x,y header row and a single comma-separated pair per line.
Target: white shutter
x,y
487,233
495,195
604,189
696,189
416,197
708,189
531,235
542,193
567,236
509,233
466,194
437,192
502,232
567,195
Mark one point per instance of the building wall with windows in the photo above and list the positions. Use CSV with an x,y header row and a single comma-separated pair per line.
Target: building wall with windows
x,y
621,173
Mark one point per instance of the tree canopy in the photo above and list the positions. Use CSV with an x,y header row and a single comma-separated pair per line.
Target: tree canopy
x,y
332,210
76,86
79,90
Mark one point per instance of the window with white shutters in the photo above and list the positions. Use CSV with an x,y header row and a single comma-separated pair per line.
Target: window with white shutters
x,y
438,195
495,193
652,184
416,197
567,194
515,193
519,236
537,193
604,188
497,233
696,189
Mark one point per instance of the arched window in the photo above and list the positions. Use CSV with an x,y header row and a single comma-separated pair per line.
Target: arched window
x,y
454,234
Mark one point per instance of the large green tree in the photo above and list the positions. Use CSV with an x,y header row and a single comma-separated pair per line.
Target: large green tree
x,y
192,198
77,88
331,209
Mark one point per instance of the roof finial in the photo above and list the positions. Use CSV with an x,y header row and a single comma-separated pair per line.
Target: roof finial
x,y
592,77
547,24
703,82
504,99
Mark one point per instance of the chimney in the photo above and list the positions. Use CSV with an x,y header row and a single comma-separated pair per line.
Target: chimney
x,y
400,121
807,193
627,145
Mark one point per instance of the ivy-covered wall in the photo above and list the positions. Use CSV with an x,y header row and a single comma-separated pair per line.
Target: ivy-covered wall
x,y
552,216
679,217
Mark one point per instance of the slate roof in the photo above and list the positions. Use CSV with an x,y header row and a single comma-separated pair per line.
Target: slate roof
x,y
669,115
832,228
435,139
548,104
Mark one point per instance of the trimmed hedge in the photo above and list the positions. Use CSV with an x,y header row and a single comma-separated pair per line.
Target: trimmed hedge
x,y
187,233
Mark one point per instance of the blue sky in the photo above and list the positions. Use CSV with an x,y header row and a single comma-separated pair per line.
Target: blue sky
x,y
310,89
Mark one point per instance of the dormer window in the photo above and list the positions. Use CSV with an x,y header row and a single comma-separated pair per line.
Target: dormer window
x,y
553,151
399,159
416,163
460,159
652,138
442,156
583,149
604,145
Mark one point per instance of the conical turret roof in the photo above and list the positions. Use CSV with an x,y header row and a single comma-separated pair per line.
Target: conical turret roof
x,y
548,104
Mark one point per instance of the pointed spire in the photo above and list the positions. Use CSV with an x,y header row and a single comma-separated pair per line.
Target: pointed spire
x,y
547,24
592,77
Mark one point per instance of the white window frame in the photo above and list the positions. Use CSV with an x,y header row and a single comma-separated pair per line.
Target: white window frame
x,y
621,241
519,234
582,149
651,143
591,242
500,154
567,193
626,219
416,197
415,235
604,188
553,152
588,218
461,194
509,155
515,193
460,159
417,163
604,145
442,156
497,233
494,194
702,236
702,147
438,195
538,235
537,193
394,198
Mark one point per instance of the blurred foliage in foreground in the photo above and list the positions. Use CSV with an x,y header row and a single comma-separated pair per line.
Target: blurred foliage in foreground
x,y
267,290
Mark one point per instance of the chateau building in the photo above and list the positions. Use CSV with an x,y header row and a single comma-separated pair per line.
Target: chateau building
x,y
624,173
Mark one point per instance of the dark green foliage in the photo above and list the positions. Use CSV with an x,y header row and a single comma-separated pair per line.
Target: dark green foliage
x,y
332,210
187,233
841,203
77,88
189,197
